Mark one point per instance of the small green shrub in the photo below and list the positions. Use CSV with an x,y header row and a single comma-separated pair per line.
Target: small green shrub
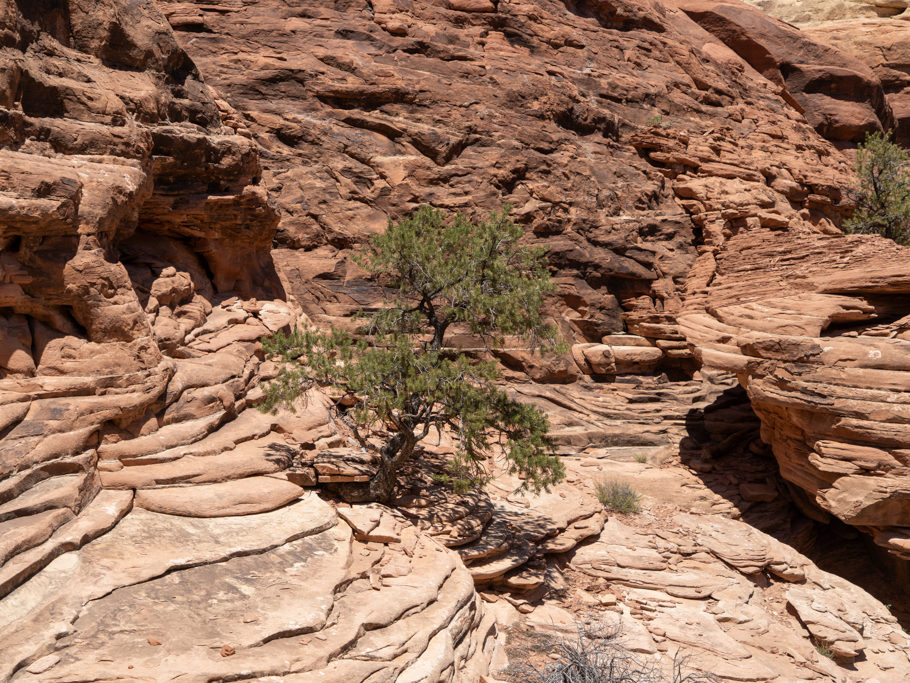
x,y
657,120
883,195
618,496
641,458
822,648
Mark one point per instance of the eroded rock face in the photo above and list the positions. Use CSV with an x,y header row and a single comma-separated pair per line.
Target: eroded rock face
x,y
822,350
803,13
542,105
708,570
137,283
130,220
839,95
280,593
144,503
810,12
366,110
883,45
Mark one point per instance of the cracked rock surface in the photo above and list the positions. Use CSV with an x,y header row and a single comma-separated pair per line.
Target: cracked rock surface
x,y
155,225
287,593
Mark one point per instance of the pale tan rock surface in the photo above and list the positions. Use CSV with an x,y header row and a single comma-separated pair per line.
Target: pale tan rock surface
x,y
804,13
154,523
809,13
280,594
692,573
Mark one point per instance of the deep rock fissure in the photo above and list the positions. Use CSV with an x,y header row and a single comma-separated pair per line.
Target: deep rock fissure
x,y
833,546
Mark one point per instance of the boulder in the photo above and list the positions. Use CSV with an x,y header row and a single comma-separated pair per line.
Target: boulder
x,y
882,45
840,96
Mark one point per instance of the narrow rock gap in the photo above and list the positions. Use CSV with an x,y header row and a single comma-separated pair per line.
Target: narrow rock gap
x,y
724,449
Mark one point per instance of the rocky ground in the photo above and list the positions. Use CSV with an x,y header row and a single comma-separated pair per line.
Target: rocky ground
x,y
709,569
180,179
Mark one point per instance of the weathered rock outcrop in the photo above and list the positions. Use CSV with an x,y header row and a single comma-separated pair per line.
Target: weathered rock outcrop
x,y
130,220
287,593
884,46
808,13
820,349
691,588
149,526
137,280
423,108
367,110
840,96
803,13
707,572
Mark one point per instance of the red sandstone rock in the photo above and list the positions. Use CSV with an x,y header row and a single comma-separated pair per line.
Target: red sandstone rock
x,y
822,361
129,215
884,46
136,223
840,96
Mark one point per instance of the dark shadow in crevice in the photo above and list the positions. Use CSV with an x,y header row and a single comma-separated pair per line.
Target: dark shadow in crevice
x,y
50,16
724,447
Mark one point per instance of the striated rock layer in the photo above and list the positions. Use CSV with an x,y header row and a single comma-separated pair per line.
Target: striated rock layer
x,y
366,110
288,593
130,220
154,524
822,349
708,572
149,527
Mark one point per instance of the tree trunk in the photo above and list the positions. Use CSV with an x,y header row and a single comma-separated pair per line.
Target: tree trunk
x,y
394,454
381,488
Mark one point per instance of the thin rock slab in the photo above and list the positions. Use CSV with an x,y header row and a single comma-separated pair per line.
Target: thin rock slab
x,y
816,612
144,545
372,522
249,496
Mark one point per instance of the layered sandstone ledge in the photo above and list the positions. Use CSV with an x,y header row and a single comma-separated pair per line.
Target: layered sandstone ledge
x,y
288,593
148,523
135,237
152,521
822,349
707,571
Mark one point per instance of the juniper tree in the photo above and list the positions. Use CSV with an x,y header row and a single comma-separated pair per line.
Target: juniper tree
x,y
883,196
398,381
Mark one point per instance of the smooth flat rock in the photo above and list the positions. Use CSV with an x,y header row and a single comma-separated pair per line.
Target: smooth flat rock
x,y
241,602
248,496
142,546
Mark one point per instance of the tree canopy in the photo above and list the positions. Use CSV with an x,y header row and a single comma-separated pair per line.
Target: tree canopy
x,y
883,196
397,379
